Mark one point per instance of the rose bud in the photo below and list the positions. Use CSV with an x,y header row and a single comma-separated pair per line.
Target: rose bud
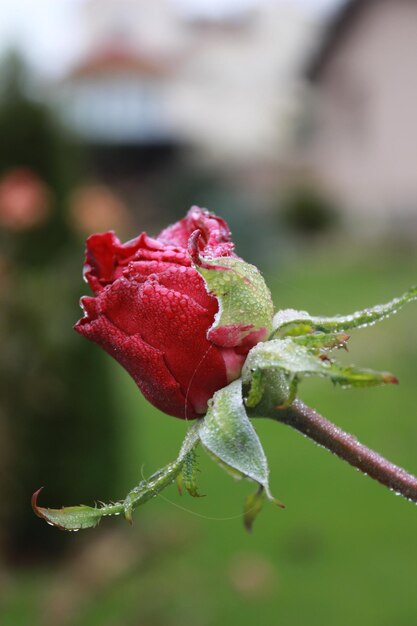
x,y
180,311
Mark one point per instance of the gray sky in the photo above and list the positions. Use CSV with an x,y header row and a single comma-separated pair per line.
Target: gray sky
x,y
46,29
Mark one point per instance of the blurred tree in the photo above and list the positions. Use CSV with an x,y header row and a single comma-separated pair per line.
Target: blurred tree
x,y
56,403
32,139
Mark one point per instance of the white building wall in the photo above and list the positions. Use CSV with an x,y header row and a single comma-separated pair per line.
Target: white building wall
x,y
152,26
365,147
236,94
231,91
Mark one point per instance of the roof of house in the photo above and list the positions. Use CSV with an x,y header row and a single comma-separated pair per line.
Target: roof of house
x,y
335,31
115,59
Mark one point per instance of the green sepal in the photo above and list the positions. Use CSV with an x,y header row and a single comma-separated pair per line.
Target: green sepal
x,y
298,361
189,474
293,323
75,518
257,388
245,302
227,433
71,518
252,506
322,342
150,487
234,473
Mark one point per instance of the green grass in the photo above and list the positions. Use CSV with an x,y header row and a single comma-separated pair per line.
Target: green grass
x,y
345,549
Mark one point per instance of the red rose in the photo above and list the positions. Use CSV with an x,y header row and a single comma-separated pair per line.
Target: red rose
x,y
152,312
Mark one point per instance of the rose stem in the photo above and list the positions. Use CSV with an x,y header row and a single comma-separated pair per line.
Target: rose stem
x,y
347,447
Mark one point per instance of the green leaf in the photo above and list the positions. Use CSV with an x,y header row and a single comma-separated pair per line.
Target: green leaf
x,y
229,435
292,323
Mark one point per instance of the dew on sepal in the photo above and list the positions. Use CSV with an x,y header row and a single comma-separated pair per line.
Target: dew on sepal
x,y
245,303
292,322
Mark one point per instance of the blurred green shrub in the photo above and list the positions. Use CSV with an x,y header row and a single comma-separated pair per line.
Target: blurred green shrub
x,y
307,211
56,403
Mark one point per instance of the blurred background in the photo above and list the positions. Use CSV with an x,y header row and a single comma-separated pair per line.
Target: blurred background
x,y
295,121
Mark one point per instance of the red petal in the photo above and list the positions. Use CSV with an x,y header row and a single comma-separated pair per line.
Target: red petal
x,y
106,257
215,234
171,328
144,363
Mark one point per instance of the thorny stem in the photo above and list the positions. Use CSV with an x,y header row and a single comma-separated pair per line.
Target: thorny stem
x,y
347,447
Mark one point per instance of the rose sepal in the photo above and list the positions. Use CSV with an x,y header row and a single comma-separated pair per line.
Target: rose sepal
x,y
290,322
230,438
245,303
75,518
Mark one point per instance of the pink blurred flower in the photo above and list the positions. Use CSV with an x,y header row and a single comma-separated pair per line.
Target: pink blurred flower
x,y
95,208
24,199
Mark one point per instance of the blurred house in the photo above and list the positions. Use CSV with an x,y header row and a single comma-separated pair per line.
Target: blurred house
x,y
364,134
116,100
154,81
